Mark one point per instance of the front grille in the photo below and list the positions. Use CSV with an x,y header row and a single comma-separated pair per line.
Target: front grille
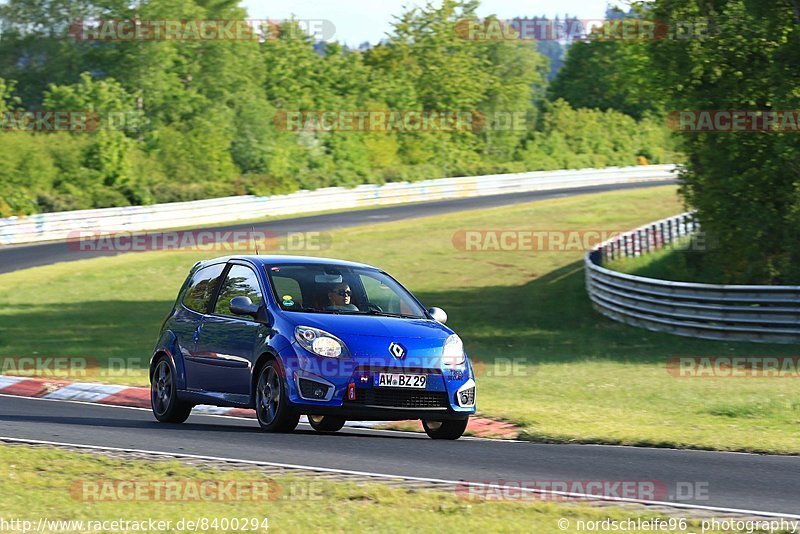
x,y
400,398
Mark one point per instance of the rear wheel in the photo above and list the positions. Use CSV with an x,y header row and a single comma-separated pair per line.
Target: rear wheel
x,y
272,405
326,423
163,395
452,429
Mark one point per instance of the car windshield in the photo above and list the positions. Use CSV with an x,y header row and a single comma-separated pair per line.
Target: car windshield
x,y
340,289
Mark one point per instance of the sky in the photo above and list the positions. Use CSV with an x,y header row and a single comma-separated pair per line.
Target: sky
x,y
357,21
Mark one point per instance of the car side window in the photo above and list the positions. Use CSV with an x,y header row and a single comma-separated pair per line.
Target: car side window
x,y
201,288
240,282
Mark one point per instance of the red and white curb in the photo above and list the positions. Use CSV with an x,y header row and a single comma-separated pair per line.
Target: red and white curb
x,y
138,397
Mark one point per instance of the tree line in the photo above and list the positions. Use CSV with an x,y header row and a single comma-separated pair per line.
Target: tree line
x,y
200,119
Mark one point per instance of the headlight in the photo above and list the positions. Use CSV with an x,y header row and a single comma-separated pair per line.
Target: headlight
x,y
320,342
453,352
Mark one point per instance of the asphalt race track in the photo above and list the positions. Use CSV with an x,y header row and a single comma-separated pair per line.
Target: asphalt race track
x,y
744,482
740,481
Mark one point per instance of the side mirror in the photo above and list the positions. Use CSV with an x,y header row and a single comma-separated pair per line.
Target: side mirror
x,y
244,306
438,314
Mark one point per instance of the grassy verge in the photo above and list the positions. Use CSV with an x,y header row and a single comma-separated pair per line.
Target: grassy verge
x,y
682,262
547,361
54,485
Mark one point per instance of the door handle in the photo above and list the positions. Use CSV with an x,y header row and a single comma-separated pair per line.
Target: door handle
x,y
197,333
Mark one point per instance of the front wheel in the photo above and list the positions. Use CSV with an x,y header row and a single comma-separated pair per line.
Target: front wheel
x,y
326,423
272,405
164,398
452,429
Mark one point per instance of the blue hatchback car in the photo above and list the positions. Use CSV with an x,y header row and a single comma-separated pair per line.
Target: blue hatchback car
x,y
330,339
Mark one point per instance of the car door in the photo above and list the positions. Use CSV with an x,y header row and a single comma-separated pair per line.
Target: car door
x,y
226,345
188,318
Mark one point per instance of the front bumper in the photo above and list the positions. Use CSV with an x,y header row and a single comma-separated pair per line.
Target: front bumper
x,y
351,391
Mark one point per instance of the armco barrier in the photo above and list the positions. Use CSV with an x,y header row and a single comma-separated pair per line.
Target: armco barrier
x,y
726,312
57,226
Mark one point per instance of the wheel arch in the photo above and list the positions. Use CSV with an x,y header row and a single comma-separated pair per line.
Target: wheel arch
x,y
266,356
157,356
167,346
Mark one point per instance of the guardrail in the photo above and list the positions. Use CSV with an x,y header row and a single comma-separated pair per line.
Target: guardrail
x,y
723,312
63,225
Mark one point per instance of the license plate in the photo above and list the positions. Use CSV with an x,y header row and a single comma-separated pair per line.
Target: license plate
x,y
391,380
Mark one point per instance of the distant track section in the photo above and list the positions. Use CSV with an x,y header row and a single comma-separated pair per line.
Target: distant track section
x,y
65,225
14,258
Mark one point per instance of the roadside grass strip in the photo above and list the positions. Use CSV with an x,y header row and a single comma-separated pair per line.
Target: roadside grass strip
x,y
44,483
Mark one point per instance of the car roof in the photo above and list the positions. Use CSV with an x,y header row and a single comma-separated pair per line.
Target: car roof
x,y
277,259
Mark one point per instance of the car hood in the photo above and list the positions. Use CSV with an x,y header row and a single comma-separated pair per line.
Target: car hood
x,y
372,325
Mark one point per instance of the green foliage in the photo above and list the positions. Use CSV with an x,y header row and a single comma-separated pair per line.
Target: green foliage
x,y
8,100
610,74
745,186
184,119
36,175
574,138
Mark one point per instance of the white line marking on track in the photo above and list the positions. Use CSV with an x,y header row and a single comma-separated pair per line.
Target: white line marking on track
x,y
416,479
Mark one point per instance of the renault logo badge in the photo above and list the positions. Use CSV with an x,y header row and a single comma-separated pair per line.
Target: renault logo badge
x,y
397,350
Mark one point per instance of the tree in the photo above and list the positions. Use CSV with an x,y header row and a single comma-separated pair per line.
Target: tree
x,y
745,186
609,73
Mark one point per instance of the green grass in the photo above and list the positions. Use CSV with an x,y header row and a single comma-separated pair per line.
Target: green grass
x,y
45,483
578,377
685,261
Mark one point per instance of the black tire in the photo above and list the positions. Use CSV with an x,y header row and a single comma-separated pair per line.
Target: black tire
x,y
326,423
271,403
451,429
164,397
